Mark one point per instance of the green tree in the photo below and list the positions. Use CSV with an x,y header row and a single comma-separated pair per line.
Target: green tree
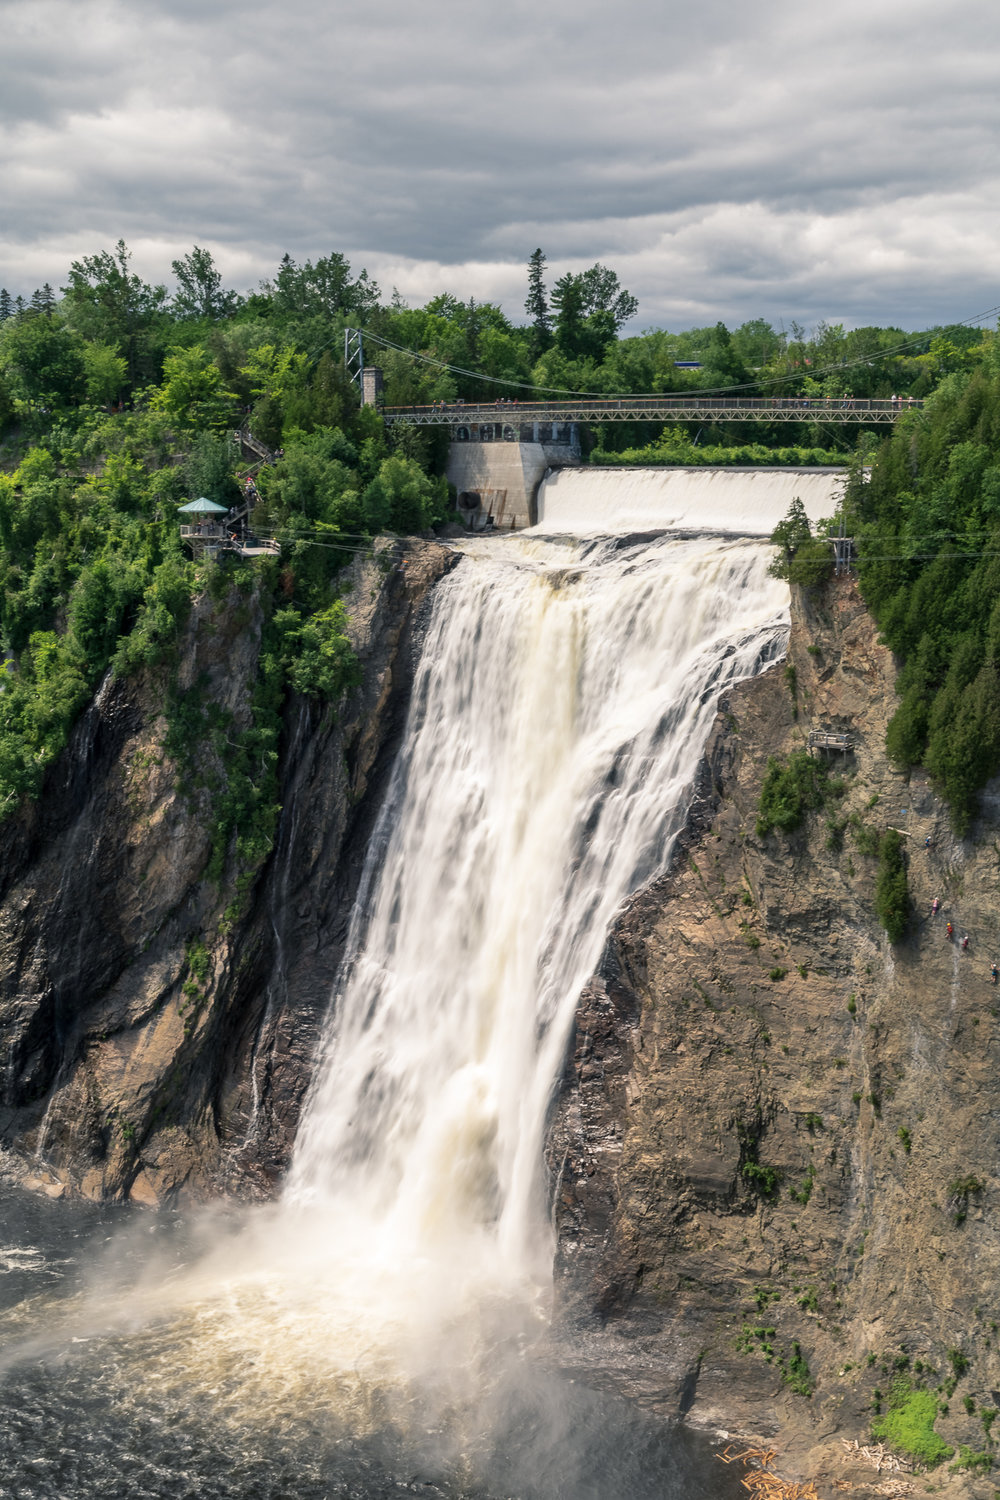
x,y
274,373
324,290
892,895
790,534
537,305
200,292
106,373
106,301
208,470
43,361
192,390
591,306
722,363
402,498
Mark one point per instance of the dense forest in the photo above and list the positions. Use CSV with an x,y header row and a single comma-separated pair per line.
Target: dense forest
x,y
118,401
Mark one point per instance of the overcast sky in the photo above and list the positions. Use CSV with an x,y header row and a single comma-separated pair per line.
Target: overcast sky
x,y
729,158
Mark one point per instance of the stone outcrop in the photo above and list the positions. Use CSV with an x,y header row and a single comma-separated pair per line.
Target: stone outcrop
x,y
157,1026
776,1150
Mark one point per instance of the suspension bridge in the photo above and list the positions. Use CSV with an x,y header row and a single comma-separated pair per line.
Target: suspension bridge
x,y
519,421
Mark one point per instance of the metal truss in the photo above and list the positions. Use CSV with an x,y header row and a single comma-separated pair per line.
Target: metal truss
x,y
520,417
354,354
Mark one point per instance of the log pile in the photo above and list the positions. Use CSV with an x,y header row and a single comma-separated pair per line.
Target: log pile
x,y
762,1483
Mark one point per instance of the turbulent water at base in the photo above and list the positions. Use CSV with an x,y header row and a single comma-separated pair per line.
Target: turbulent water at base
x,y
381,1330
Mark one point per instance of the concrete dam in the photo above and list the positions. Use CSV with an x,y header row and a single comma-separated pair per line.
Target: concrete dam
x,y
507,485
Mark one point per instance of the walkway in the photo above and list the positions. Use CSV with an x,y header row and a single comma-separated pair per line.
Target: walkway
x,y
517,420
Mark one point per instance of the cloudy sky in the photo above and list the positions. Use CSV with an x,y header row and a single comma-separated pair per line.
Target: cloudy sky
x,y
730,158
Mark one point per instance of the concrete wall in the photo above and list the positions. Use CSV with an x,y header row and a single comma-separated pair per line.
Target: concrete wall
x,y
505,476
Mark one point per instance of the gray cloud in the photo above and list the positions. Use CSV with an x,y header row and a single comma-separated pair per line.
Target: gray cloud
x,y
732,161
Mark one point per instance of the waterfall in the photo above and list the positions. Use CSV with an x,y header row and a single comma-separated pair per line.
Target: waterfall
x,y
383,1328
561,704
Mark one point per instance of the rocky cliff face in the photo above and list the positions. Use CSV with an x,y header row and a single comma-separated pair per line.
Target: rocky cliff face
x,y
776,1151
130,1067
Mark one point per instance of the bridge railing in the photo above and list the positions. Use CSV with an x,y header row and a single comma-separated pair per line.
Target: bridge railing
x,y
516,413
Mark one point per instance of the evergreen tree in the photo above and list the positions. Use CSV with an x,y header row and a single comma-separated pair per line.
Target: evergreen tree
x,y
537,306
324,290
591,307
6,305
43,300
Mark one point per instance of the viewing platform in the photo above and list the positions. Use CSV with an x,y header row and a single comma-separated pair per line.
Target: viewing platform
x,y
538,421
211,538
829,739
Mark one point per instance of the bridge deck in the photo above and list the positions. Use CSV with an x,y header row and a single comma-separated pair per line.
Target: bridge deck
x,y
513,415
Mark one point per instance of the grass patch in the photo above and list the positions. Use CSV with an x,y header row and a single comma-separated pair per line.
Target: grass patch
x,y
908,1425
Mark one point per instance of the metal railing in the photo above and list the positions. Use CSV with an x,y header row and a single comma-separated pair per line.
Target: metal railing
x,y
516,415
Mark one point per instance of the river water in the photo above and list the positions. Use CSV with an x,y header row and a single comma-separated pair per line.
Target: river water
x,y
382,1329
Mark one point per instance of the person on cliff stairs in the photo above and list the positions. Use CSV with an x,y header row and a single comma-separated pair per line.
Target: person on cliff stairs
x,y
951,932
965,942
994,972
935,906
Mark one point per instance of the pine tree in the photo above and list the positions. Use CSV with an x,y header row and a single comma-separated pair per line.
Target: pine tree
x,y
537,305
6,305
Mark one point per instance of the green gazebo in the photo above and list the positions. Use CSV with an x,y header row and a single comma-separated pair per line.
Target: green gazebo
x,y
205,533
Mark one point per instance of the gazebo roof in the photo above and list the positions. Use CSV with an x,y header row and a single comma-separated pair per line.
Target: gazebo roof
x,y
203,507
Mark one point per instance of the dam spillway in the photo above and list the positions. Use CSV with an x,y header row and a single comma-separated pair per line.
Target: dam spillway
x,y
739,502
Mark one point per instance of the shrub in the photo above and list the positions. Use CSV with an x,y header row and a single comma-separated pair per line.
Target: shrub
x,y
981,1462
959,1193
316,651
765,1180
892,896
796,1374
789,791
812,564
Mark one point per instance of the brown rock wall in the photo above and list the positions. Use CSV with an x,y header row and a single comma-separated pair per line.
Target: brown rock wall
x,y
784,1101
121,1071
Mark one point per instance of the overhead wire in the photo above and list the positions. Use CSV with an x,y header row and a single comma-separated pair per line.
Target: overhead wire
x,y
866,359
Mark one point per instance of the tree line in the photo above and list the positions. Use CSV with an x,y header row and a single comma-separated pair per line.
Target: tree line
x,y
118,399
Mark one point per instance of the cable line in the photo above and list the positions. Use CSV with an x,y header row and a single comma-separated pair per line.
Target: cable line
x,y
867,359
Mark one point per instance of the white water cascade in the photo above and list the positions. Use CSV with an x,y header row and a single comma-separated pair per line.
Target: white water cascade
x,y
562,702
746,502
